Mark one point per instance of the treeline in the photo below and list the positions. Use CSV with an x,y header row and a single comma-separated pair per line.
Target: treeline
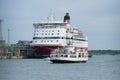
x,y
104,52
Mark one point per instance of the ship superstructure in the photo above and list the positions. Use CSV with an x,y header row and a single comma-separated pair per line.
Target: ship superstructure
x,y
53,34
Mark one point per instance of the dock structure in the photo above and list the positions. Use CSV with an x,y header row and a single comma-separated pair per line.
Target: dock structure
x,y
22,48
19,50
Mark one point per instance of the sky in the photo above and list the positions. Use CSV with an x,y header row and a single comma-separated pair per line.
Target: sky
x,y
98,19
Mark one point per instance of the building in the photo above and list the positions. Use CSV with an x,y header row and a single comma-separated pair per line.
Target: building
x,y
21,48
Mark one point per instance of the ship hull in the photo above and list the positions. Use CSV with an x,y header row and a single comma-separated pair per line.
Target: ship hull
x,y
45,51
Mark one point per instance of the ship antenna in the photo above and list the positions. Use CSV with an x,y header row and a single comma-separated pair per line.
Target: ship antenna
x,y
50,17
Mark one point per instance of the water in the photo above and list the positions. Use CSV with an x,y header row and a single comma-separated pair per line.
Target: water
x,y
102,67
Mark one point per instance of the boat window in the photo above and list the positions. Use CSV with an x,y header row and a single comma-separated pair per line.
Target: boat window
x,y
73,52
73,56
82,54
79,55
65,56
61,55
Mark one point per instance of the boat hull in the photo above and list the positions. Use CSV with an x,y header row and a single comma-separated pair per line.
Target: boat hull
x,y
67,61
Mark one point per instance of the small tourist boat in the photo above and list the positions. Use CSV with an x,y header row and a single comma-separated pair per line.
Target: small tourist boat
x,y
68,55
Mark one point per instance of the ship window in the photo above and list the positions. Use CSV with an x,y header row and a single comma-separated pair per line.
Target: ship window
x,y
58,30
57,33
56,40
52,33
52,30
51,41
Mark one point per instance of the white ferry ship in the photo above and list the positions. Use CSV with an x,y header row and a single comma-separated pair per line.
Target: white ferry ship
x,y
54,34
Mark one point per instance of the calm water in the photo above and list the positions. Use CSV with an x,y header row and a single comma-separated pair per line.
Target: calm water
x,y
104,67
